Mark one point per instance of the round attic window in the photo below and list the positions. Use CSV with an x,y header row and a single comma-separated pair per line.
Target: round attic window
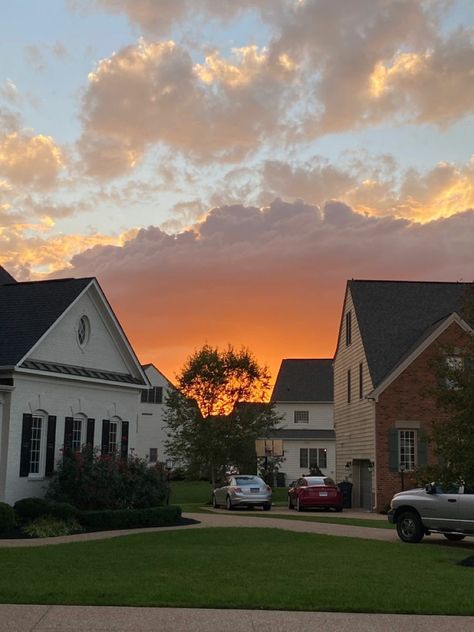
x,y
83,331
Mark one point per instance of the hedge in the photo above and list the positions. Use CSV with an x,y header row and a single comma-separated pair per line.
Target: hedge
x,y
7,518
29,509
108,519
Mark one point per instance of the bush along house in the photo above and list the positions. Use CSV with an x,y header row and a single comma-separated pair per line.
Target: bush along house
x,y
68,377
390,334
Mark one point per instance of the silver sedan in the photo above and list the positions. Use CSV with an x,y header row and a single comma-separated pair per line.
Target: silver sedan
x,y
250,491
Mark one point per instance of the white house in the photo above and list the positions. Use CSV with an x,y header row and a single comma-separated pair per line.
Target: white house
x,y
303,395
151,433
68,376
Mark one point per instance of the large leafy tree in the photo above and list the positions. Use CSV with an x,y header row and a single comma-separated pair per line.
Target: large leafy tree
x,y
453,432
218,410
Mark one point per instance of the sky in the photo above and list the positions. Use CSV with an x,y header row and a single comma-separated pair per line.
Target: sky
x,y
223,167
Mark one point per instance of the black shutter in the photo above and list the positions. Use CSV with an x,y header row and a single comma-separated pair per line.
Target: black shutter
x,y
25,445
90,433
422,452
50,445
124,442
105,436
68,434
393,462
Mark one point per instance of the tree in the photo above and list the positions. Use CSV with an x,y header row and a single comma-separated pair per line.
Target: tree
x,y
218,410
453,433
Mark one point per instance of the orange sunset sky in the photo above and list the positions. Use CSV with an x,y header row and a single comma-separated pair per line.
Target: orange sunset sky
x,y
224,167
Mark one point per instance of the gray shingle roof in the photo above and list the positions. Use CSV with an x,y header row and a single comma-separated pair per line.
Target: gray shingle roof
x,y
299,434
393,316
27,311
5,277
304,380
80,371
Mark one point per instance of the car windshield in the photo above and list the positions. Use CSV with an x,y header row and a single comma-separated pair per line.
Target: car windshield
x,y
320,480
248,480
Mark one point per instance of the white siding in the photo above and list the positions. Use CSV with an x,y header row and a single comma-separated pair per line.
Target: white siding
x,y
320,418
151,432
103,350
321,415
354,422
291,464
62,398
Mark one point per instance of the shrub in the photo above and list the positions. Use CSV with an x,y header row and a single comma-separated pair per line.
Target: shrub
x,y
48,527
28,509
7,518
89,480
63,511
130,518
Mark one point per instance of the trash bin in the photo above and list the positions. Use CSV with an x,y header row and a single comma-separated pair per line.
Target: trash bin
x,y
346,489
281,478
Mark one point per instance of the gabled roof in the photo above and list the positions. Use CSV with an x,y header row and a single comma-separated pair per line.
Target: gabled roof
x,y
28,310
5,277
304,380
393,316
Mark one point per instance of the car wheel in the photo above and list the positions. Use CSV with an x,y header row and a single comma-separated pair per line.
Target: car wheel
x,y
228,504
409,527
215,504
267,506
290,504
298,504
454,537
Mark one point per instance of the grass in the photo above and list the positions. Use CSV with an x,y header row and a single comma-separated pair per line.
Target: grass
x,y
242,568
329,519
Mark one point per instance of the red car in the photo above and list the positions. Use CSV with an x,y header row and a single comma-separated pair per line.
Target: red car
x,y
315,492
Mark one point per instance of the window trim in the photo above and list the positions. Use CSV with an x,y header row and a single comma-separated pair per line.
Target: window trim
x,y
348,328
404,445
349,387
300,412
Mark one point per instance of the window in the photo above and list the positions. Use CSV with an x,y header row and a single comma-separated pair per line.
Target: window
x,y
76,440
313,457
113,433
152,395
323,458
83,331
349,386
348,328
301,416
361,379
407,449
35,445
153,455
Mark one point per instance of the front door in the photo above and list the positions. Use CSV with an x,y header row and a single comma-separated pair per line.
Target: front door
x,y
365,485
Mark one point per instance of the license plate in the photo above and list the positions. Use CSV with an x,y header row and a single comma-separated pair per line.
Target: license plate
x,y
323,493
254,490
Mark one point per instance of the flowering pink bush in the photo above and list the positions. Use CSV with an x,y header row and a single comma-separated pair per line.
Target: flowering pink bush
x,y
90,480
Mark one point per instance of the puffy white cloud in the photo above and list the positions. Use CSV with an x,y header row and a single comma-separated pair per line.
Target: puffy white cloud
x,y
154,93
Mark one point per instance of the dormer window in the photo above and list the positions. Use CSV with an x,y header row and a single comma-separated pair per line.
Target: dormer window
x,y
83,331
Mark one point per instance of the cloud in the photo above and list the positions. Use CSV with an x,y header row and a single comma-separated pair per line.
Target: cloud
x,y
256,276
375,186
29,160
34,57
9,91
157,17
153,93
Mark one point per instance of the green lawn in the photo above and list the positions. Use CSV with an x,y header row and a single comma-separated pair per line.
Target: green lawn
x,y
329,518
242,568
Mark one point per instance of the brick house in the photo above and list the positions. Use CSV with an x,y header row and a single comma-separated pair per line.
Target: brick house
x,y
390,333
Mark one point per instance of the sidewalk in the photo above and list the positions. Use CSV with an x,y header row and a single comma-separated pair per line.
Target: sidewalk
x,y
15,618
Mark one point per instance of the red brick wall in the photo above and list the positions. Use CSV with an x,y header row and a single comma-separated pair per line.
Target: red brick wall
x,y
408,399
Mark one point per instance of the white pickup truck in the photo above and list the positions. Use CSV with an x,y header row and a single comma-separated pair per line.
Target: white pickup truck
x,y
419,512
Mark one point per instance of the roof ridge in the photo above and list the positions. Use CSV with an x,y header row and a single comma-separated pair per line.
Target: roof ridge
x,y
408,281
